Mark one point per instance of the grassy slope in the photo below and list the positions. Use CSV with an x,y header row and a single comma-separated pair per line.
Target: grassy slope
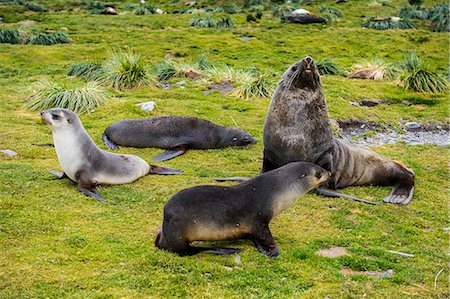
x,y
58,243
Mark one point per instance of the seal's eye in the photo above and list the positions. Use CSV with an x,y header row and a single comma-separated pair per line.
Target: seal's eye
x,y
302,175
234,139
55,116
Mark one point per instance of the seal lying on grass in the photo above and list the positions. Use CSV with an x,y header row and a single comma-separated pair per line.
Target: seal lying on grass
x,y
297,128
83,162
243,211
177,134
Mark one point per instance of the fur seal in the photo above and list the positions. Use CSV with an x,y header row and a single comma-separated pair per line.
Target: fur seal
x,y
177,134
297,128
83,162
243,211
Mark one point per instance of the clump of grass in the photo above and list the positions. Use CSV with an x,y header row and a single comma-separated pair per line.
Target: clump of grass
x,y
387,23
439,17
86,70
164,70
413,12
95,7
230,8
207,21
144,10
334,12
417,77
283,10
374,70
226,73
255,84
50,38
78,98
328,67
9,36
124,70
34,6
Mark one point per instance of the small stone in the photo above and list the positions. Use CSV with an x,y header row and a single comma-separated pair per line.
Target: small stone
x,y
228,268
147,106
246,39
8,152
159,11
446,228
237,259
165,85
412,125
355,104
439,127
181,82
371,102
283,278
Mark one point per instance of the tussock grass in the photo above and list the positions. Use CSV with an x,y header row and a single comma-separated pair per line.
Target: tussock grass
x,y
230,8
413,12
387,23
9,36
207,21
144,10
417,77
124,70
255,84
439,17
50,38
76,97
331,11
85,70
328,67
283,10
34,6
377,69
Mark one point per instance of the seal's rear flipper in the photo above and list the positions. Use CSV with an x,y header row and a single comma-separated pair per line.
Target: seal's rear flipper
x,y
332,193
58,174
171,153
233,179
109,144
214,250
164,170
400,195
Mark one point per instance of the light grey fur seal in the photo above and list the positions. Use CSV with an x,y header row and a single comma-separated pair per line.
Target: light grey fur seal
x,y
83,162
243,211
297,128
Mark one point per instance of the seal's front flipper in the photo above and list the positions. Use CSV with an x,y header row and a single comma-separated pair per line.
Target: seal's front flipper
x,y
91,192
86,186
58,174
171,153
215,250
265,243
164,170
331,193
109,144
400,195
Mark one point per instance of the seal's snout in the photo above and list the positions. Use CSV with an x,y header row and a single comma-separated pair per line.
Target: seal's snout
x,y
309,63
322,175
308,59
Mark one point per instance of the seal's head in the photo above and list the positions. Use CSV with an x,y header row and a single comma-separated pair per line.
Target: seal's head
x,y
238,137
302,74
59,118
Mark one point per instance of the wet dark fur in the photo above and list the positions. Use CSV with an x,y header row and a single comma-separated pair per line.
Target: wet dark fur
x,y
171,131
242,211
297,128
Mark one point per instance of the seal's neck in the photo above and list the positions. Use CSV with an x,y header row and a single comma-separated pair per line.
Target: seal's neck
x,y
287,197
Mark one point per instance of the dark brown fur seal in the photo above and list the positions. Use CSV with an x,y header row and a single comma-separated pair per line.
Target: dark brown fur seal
x,y
83,162
177,134
243,211
297,128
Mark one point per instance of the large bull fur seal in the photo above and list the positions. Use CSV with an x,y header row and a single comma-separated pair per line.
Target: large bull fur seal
x,y
243,211
177,134
83,162
297,128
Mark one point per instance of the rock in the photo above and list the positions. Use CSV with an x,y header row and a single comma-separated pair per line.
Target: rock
x,y
228,268
439,127
159,11
237,259
332,252
165,85
300,12
371,102
355,104
147,106
246,39
8,152
406,103
412,125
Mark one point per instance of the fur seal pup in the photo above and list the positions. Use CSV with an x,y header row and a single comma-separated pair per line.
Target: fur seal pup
x,y
243,211
177,134
83,162
297,128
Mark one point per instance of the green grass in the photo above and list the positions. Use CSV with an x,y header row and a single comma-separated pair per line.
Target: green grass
x,y
76,97
57,243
